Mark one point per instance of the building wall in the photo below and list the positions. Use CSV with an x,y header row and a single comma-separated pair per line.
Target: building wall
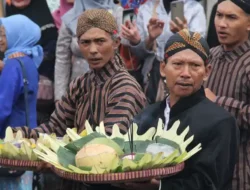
x,y
209,6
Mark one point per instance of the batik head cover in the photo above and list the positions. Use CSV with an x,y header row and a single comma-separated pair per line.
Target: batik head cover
x,y
187,40
96,18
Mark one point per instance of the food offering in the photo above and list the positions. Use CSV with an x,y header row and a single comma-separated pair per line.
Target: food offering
x,y
96,157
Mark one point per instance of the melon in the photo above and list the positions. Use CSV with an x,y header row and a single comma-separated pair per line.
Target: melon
x,y
96,155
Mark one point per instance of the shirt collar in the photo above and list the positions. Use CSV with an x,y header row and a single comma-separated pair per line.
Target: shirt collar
x,y
235,53
108,71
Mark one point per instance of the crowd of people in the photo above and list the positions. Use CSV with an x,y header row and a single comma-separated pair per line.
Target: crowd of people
x,y
83,61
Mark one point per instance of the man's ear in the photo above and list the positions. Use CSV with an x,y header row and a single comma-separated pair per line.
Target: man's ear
x,y
162,69
248,24
78,41
208,72
117,43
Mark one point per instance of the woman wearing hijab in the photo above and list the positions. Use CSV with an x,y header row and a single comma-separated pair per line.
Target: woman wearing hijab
x,y
65,6
38,12
18,38
69,60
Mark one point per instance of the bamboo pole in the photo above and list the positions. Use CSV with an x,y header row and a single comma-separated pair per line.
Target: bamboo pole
x,y
1,8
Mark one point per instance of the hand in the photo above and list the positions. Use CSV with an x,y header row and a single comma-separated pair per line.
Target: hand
x,y
210,95
1,65
150,185
44,167
179,26
131,33
155,28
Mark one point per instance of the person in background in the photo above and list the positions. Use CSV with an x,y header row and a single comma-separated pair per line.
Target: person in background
x,y
18,38
212,38
229,83
132,4
39,13
70,63
65,6
157,13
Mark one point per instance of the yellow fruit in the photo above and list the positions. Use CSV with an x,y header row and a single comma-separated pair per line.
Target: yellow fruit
x,y
33,146
83,133
96,155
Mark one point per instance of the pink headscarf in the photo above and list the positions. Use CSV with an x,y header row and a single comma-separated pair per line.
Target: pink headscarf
x,y
57,14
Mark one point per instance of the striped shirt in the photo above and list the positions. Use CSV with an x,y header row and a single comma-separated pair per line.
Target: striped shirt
x,y
230,81
110,95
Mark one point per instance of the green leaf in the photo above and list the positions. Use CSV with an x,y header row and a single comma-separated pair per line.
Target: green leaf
x,y
77,145
85,168
128,165
139,146
138,157
66,157
119,141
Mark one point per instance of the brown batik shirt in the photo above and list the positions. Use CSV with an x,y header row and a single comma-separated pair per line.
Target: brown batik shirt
x,y
230,81
110,95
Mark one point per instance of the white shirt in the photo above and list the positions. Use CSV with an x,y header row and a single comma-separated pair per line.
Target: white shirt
x,y
167,114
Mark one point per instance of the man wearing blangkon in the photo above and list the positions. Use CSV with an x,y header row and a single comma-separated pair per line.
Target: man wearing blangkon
x,y
185,68
229,83
107,93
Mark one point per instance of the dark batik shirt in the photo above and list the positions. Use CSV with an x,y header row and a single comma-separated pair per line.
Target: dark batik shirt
x,y
230,81
110,95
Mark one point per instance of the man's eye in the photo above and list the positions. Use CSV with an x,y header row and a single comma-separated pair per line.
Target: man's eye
x,y
84,42
100,41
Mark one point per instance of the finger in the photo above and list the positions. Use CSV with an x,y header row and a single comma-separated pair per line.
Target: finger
x,y
161,22
174,27
128,24
185,20
179,21
153,21
134,24
125,29
155,182
128,34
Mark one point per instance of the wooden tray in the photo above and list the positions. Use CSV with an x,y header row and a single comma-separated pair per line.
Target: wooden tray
x,y
21,164
134,176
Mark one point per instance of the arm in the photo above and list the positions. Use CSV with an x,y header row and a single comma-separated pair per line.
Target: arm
x,y
9,91
210,169
155,29
63,116
239,109
145,47
125,101
63,62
